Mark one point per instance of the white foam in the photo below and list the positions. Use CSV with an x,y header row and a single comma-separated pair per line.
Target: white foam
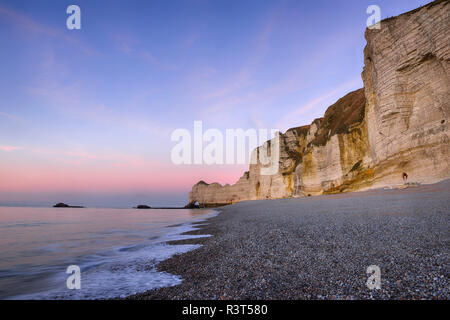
x,y
128,271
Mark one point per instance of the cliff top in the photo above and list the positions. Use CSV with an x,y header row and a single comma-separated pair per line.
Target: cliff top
x,y
338,118
427,6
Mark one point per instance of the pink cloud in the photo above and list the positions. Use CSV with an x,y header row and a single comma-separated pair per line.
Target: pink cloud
x,y
151,177
9,148
50,170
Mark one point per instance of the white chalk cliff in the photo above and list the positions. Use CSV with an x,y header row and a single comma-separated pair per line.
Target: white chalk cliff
x,y
398,123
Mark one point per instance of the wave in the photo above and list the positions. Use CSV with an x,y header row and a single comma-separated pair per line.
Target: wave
x,y
123,271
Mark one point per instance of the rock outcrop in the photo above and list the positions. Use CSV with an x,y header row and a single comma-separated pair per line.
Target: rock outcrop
x,y
142,206
63,205
398,123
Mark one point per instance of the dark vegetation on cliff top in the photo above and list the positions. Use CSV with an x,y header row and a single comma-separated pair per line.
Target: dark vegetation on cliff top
x,y
338,118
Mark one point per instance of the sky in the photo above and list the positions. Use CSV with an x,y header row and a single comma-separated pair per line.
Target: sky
x,y
86,116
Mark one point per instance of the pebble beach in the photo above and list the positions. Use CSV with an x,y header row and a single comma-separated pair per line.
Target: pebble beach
x,y
319,248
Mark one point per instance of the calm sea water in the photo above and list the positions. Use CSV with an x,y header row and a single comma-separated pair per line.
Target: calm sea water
x,y
116,250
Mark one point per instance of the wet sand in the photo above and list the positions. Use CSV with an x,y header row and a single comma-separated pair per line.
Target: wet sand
x,y
320,248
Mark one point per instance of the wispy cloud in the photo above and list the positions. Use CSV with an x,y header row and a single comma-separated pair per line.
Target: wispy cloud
x,y
147,56
246,93
125,44
24,22
9,148
131,46
71,100
239,81
190,39
9,116
290,119
113,159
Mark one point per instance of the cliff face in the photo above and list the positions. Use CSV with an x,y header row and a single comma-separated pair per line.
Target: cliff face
x,y
313,159
407,86
397,123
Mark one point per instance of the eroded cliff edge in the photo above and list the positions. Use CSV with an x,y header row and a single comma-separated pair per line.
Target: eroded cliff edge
x,y
397,123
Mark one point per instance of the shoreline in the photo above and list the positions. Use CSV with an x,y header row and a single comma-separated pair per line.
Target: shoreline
x,y
318,248
118,261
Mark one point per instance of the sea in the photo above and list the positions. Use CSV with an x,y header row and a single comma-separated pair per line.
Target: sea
x,y
90,253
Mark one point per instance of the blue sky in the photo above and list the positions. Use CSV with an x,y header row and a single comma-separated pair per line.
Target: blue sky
x,y
92,110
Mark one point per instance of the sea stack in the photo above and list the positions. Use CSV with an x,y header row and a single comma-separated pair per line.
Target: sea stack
x,y
63,205
143,206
